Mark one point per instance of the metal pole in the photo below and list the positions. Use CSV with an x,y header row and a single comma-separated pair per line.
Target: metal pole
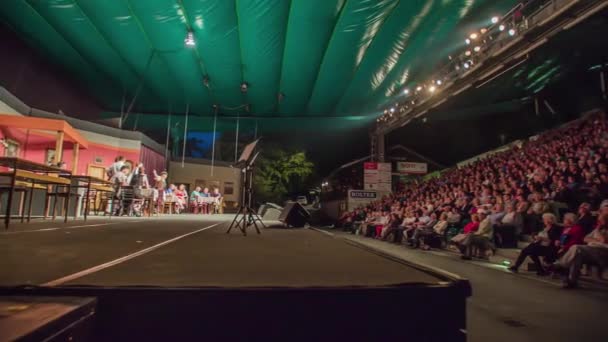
x,y
213,143
236,142
139,86
168,134
185,134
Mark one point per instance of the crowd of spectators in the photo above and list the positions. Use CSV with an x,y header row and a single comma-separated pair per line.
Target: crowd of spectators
x,y
551,190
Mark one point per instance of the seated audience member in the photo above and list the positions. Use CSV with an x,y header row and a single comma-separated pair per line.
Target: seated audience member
x,y
454,216
381,223
480,238
181,198
427,237
460,239
544,244
194,199
393,227
585,219
572,234
204,206
538,207
595,252
422,228
509,227
497,214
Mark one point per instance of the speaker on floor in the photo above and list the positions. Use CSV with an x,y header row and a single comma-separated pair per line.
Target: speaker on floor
x,y
294,215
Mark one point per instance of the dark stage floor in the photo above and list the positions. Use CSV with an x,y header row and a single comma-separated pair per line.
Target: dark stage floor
x,y
188,251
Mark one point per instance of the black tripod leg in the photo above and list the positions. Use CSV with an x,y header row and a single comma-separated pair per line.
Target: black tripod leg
x,y
234,220
257,229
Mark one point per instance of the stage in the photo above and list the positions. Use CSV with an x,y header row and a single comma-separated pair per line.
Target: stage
x,y
142,270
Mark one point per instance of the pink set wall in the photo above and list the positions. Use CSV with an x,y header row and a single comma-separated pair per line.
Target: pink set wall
x,y
96,154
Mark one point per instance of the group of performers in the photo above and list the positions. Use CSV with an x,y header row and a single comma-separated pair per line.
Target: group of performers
x,y
200,200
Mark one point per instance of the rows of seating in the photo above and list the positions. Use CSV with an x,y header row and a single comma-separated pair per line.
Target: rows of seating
x,y
550,192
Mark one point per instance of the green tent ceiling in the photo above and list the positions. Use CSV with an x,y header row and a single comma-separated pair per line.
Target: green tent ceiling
x,y
328,58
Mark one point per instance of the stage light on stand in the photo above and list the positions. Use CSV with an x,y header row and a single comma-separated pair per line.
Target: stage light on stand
x,y
189,41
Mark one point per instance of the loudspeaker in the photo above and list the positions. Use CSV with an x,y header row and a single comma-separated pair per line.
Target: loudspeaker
x,y
294,215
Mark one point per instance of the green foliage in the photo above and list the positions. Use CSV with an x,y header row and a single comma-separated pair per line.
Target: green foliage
x,y
281,172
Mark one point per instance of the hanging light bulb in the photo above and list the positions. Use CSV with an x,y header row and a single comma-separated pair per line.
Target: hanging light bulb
x,y
189,41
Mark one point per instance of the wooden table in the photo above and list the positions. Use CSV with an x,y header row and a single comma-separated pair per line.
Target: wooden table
x,y
92,183
33,173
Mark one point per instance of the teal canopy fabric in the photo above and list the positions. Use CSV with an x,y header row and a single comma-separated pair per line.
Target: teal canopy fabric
x,y
335,61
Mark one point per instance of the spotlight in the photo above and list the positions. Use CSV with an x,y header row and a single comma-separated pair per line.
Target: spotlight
x,y
386,111
406,91
484,30
244,87
450,57
468,41
477,49
392,110
512,32
457,67
495,20
501,28
467,53
466,65
432,89
423,120
473,36
439,82
419,88
189,41
206,81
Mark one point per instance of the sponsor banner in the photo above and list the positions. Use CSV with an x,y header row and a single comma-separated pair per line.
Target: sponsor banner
x,y
412,168
362,194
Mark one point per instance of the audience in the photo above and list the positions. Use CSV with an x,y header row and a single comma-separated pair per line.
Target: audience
x,y
519,193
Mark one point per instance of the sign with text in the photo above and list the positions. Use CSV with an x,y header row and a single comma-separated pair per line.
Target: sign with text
x,y
377,176
412,168
362,194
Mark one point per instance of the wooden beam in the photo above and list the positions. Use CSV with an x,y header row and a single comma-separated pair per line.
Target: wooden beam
x,y
75,151
58,148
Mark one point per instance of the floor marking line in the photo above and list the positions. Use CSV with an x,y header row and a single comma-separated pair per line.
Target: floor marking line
x,y
120,260
69,227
